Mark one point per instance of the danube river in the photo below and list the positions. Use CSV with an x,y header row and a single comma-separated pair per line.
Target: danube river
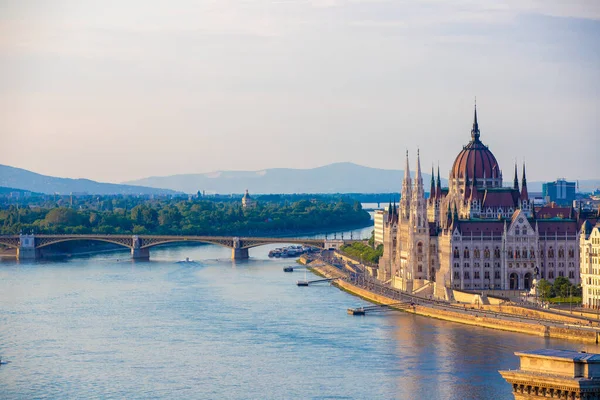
x,y
106,327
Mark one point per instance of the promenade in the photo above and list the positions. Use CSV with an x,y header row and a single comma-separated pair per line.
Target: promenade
x,y
514,318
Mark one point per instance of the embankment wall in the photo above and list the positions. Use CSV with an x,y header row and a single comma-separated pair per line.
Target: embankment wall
x,y
532,328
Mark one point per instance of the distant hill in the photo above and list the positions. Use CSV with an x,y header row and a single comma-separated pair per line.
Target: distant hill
x,y
26,180
7,190
332,178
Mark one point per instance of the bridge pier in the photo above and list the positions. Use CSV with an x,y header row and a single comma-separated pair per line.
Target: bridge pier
x,y
26,253
26,249
140,254
239,254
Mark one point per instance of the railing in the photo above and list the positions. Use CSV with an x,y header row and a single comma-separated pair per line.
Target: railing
x,y
375,286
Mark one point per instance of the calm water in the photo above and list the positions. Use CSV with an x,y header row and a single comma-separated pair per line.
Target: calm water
x,y
105,327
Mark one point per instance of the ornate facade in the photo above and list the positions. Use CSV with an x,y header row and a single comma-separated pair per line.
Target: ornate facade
x,y
476,233
590,264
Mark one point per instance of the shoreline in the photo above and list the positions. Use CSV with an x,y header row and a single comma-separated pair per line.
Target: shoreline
x,y
554,330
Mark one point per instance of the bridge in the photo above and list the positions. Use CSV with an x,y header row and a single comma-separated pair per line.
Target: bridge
x,y
30,246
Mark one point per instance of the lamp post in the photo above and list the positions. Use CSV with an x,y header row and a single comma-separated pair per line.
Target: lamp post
x,y
570,301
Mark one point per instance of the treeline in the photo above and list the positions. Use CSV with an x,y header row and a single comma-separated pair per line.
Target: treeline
x,y
180,217
561,287
362,252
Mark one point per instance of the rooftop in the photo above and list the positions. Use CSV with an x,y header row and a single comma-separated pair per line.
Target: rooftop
x,y
572,355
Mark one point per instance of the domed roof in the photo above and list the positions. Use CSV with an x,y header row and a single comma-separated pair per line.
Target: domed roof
x,y
475,160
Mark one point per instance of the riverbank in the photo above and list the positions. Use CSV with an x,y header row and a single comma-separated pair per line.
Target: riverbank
x,y
468,316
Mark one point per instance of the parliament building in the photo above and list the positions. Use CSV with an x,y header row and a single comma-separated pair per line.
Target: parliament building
x,y
475,234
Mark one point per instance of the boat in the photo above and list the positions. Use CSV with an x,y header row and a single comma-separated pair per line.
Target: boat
x,y
304,282
186,261
288,269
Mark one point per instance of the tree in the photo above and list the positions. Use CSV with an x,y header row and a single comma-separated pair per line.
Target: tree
x,y
545,289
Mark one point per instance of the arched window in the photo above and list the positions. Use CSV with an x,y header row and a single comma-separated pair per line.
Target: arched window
x,y
476,252
517,253
456,265
467,275
517,231
486,253
420,269
497,252
420,248
456,275
550,252
476,274
456,252
510,253
466,252
551,274
524,231
571,253
532,253
561,252
476,265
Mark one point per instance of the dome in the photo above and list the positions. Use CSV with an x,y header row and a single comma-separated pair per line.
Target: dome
x,y
475,160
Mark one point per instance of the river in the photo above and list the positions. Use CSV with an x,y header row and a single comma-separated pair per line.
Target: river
x,y
107,327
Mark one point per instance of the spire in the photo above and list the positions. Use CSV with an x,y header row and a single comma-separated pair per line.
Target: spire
x,y
432,189
454,216
406,194
516,182
524,194
407,169
475,130
438,191
418,177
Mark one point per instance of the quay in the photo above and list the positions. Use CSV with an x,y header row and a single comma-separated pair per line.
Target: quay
x,y
506,317
306,283
378,308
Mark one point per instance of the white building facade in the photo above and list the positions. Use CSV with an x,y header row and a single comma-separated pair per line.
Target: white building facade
x,y
589,248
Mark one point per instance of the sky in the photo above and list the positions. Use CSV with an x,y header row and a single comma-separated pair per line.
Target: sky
x,y
119,90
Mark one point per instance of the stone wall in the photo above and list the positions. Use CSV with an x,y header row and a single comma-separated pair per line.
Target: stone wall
x,y
469,319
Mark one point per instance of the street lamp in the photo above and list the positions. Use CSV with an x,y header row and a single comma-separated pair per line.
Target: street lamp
x,y
570,301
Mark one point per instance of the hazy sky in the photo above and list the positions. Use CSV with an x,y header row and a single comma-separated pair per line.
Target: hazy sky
x,y
117,90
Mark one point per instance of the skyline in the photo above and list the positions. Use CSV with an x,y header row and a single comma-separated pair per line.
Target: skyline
x,y
130,90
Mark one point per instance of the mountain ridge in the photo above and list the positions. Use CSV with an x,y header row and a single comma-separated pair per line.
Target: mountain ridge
x,y
19,178
341,177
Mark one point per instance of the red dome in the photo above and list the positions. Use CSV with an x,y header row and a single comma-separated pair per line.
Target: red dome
x,y
475,160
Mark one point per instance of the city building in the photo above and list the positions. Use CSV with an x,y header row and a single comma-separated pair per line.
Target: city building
x,y
589,248
378,227
558,374
476,233
559,192
247,201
